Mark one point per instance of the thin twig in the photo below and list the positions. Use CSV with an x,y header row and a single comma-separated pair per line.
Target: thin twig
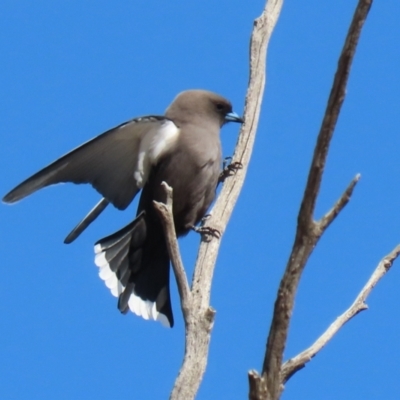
x,y
308,232
298,362
167,220
328,218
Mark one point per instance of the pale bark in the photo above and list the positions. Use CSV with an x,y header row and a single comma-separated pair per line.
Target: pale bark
x,y
298,362
199,317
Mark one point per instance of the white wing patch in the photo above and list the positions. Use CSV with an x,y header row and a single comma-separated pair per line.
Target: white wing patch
x,y
153,146
142,308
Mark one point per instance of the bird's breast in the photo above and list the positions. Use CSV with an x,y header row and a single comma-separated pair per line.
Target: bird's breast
x,y
192,170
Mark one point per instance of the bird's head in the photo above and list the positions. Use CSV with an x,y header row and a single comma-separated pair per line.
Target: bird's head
x,y
196,105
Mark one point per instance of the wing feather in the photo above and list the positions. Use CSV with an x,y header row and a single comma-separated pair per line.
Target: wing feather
x,y
107,162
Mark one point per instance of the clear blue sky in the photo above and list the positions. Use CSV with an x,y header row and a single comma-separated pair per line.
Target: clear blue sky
x,y
71,70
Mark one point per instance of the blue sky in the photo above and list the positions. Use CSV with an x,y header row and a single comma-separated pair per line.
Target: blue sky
x,y
71,70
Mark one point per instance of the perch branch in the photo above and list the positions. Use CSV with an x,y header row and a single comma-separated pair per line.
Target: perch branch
x,y
293,365
308,231
165,212
202,315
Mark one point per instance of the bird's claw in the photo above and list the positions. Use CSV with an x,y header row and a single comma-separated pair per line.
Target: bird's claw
x,y
207,232
229,169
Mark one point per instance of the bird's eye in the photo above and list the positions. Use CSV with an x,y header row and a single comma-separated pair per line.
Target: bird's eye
x,y
220,106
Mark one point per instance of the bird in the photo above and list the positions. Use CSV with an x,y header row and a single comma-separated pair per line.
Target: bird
x,y
183,149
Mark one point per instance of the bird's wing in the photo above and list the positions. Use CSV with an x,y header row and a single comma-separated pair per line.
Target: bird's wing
x,y
116,163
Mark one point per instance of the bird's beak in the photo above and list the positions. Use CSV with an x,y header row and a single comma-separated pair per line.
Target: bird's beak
x,y
233,117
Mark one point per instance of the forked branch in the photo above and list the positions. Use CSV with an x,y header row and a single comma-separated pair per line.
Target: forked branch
x,y
308,231
293,365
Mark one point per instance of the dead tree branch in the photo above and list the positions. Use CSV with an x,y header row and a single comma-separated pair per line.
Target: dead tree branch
x,y
201,316
167,220
308,231
293,365
326,220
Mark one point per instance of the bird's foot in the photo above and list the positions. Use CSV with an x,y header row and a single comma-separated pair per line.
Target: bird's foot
x,y
206,232
229,168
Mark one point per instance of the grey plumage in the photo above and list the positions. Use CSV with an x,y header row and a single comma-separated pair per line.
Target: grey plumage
x,y
106,162
181,148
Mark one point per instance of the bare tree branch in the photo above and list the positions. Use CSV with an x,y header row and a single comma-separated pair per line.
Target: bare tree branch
x,y
336,98
257,385
167,220
328,218
293,365
201,315
308,231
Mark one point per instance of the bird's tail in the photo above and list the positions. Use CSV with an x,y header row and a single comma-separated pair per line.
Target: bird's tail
x,y
134,264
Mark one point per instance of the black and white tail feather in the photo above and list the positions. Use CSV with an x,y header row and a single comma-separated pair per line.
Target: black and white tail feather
x,y
126,262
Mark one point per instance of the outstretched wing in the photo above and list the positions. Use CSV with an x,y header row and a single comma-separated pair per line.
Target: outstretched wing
x,y
108,162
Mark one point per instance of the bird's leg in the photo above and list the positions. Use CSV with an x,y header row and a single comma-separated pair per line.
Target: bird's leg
x,y
206,231
204,219
229,168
